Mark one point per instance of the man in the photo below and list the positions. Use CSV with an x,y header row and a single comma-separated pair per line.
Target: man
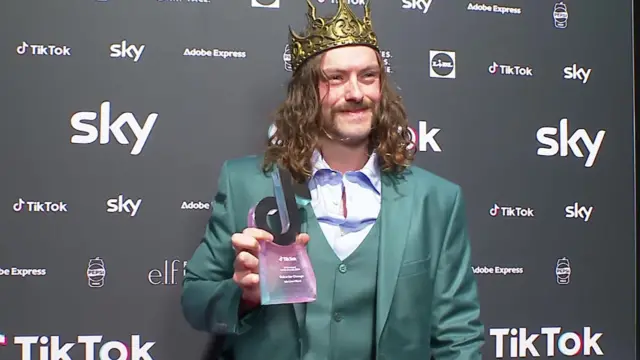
x,y
388,241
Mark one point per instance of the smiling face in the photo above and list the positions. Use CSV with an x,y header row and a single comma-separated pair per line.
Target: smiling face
x,y
316,113
350,92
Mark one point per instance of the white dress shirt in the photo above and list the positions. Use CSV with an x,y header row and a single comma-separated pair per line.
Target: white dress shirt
x,y
362,190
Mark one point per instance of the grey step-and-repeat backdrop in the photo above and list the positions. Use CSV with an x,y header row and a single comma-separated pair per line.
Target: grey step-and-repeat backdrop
x,y
118,115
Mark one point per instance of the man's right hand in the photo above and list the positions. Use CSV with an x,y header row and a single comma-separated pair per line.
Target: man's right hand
x,y
246,267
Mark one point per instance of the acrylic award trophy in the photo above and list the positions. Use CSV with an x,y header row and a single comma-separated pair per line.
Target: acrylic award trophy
x,y
286,275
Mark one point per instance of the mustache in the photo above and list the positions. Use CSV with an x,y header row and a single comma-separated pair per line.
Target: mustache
x,y
353,107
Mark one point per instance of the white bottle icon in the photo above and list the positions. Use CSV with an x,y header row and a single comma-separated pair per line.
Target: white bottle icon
x,y
286,56
96,273
560,15
563,271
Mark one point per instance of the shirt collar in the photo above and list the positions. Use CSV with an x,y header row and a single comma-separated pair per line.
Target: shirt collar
x,y
371,169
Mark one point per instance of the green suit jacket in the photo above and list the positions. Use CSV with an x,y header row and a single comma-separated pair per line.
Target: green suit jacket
x,y
426,301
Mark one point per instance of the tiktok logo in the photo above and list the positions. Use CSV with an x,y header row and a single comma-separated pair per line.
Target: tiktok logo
x,y
40,206
425,138
511,211
287,258
515,70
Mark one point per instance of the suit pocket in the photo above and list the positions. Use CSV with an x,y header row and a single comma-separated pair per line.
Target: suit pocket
x,y
415,267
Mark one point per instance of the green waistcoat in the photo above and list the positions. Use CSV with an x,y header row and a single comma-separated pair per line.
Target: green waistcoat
x,y
339,325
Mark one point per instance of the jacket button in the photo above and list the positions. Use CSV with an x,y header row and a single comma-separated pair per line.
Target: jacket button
x,y
337,317
342,268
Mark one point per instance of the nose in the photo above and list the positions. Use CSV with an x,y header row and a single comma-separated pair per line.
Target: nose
x,y
353,93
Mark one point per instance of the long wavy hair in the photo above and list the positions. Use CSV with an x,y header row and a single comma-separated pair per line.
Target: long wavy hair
x,y
298,122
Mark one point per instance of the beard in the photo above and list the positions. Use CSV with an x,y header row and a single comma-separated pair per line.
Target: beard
x,y
351,123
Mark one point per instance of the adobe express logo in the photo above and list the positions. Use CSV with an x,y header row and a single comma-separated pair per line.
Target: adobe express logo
x,y
504,10
195,205
15,271
214,53
497,270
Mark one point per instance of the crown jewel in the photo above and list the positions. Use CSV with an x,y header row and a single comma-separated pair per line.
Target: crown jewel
x,y
322,34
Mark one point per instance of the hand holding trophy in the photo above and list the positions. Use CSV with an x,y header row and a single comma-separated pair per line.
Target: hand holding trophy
x,y
273,267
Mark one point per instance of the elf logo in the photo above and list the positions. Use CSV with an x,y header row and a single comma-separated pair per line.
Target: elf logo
x,y
106,127
424,138
519,344
546,136
167,275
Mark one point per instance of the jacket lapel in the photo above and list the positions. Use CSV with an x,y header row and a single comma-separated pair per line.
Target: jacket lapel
x,y
397,201
306,215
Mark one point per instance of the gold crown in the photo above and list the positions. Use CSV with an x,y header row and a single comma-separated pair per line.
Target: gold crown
x,y
322,34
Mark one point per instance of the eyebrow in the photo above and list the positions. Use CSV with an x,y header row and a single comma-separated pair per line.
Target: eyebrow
x,y
368,68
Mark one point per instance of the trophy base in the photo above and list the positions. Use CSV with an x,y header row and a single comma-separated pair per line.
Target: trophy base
x,y
286,274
